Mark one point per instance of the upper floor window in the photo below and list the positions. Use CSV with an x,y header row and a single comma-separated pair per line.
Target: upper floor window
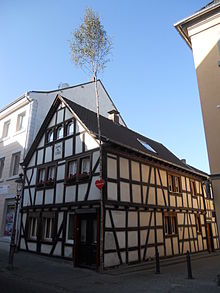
x,y
41,175
51,173
70,128
85,165
50,136
2,162
208,190
20,121
60,132
72,168
6,126
174,183
15,161
193,187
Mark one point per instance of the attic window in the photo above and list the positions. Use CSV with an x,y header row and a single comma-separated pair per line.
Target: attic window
x,y
146,145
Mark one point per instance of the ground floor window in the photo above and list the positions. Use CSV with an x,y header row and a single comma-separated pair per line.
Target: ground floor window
x,y
32,225
198,224
70,228
48,226
170,224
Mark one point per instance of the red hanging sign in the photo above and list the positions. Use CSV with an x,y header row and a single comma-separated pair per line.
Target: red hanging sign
x,y
100,183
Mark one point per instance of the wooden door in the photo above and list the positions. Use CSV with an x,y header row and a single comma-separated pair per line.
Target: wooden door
x,y
87,240
210,238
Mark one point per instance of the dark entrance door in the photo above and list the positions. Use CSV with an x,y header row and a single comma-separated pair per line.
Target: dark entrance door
x,y
87,240
210,238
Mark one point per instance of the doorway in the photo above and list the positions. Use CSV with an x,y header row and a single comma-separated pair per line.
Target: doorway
x,y
210,242
87,240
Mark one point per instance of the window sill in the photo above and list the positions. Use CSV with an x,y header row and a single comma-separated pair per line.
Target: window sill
x,y
13,178
19,131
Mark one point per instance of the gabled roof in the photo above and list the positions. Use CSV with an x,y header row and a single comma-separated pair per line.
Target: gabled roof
x,y
181,25
112,133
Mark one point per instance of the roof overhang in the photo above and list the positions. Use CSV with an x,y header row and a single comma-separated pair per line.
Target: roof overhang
x,y
182,25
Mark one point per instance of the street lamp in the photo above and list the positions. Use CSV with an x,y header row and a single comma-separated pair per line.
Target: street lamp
x,y
19,182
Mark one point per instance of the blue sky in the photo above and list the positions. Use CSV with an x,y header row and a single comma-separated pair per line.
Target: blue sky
x,y
151,76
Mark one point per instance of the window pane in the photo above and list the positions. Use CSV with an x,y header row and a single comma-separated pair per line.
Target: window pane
x,y
51,173
72,170
15,160
60,132
70,128
85,165
6,129
20,121
71,227
50,136
2,161
41,175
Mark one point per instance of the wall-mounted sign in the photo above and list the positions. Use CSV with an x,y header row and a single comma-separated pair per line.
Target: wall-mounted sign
x,y
100,183
58,149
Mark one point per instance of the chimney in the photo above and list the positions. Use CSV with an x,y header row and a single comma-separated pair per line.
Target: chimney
x,y
184,161
114,116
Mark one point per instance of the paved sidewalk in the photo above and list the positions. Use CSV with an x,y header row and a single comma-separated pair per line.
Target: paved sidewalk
x,y
34,273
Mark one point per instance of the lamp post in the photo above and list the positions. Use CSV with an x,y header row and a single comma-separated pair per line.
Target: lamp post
x,y
19,182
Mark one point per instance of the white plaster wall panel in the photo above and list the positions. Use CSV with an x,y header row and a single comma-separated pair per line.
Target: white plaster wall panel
x,y
132,239
48,154
189,201
172,201
94,192
168,246
28,174
70,193
57,250
60,220
202,205
60,172
143,236
175,245
160,235
163,176
26,198
192,246
79,127
166,197
144,218
193,222
68,251
49,194
124,168
111,168
78,146
160,199
136,193
121,239
90,142
59,193
161,250
41,143
58,151
159,219
109,241
144,172
186,246
68,114
151,239
205,244
183,182
133,256
46,248
151,196
95,157
40,156
60,117
132,219
112,191
22,244
107,220
150,253
180,218
125,191
32,191
195,206
52,121
187,184
152,177
180,232
123,257
24,219
32,160
144,194
82,189
179,201
68,147
33,179
119,219
111,259
135,171
39,197
197,186
184,200
32,246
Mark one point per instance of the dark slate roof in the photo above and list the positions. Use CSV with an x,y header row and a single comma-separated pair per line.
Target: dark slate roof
x,y
210,4
123,136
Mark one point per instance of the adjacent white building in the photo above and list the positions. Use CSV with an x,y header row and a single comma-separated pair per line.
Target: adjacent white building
x,y
19,124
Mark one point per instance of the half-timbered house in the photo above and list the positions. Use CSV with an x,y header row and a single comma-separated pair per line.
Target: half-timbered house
x,y
150,200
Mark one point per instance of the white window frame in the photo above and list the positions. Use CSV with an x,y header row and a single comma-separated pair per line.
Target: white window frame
x,y
6,126
2,164
45,220
12,166
70,241
33,227
20,121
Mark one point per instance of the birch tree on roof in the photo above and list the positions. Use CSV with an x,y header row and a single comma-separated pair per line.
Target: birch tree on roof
x,y
90,50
